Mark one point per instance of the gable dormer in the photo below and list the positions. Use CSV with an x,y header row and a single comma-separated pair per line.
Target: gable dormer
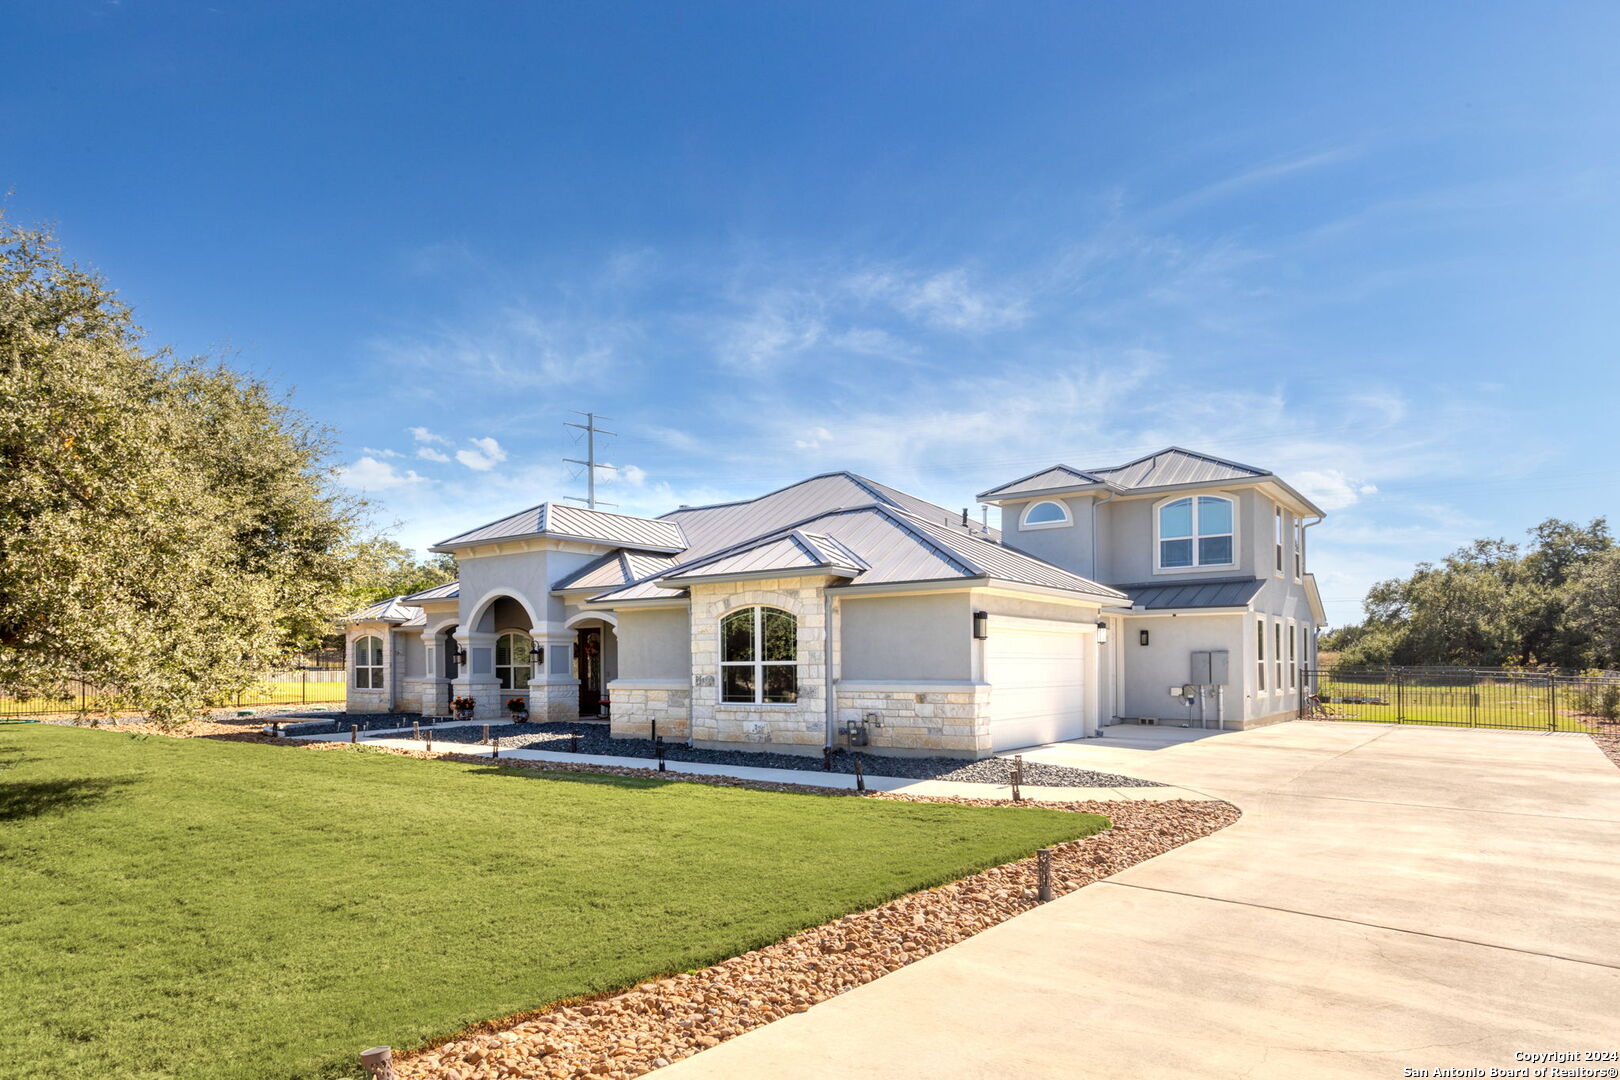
x,y
1173,514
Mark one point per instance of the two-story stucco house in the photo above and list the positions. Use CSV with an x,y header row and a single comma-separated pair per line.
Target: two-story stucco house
x,y
1173,587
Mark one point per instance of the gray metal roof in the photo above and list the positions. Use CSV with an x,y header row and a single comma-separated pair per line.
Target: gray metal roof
x,y
575,523
391,610
796,551
890,546
615,569
448,591
1225,592
1162,468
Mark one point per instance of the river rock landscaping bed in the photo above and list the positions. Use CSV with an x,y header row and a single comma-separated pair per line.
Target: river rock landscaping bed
x,y
631,1033
594,739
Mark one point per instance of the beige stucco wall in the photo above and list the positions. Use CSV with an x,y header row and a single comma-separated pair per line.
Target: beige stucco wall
x,y
655,643
926,636
1150,670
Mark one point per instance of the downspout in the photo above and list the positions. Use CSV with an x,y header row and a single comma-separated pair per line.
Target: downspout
x,y
1311,665
827,659
1094,504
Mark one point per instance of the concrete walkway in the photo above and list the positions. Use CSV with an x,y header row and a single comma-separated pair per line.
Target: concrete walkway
x,y
1393,898
809,777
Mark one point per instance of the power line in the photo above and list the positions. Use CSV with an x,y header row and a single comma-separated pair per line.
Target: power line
x,y
591,432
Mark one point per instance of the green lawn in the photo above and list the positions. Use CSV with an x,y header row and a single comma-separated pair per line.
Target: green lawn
x,y
202,909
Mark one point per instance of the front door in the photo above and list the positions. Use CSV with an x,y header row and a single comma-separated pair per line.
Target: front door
x,y
588,657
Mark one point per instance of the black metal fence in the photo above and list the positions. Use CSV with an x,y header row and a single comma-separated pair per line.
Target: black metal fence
x,y
313,683
1461,697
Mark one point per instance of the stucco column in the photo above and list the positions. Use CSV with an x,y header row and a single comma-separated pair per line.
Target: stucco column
x,y
477,678
553,690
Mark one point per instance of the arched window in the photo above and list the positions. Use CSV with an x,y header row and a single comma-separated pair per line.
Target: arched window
x,y
512,664
759,651
367,663
1195,532
1046,515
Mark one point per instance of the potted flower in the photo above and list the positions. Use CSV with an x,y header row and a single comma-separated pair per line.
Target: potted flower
x,y
519,708
462,707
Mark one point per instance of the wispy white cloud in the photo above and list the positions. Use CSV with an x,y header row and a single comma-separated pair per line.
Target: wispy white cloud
x,y
371,474
373,452
485,454
424,436
945,300
428,453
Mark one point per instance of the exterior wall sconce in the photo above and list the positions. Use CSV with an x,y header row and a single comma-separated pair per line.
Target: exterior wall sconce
x,y
461,656
1102,632
981,624
1142,637
537,654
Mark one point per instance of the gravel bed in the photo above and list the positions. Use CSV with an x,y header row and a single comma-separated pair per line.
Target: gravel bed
x,y
631,1033
594,739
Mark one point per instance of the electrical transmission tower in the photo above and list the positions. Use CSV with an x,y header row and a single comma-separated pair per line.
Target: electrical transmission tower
x,y
591,464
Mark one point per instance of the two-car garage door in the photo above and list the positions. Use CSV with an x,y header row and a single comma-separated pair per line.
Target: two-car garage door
x,y
1037,694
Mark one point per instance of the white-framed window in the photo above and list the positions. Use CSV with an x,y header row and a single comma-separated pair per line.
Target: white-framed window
x,y
1281,535
1260,653
512,664
1048,514
1195,531
759,653
1293,659
1277,653
368,663
1299,549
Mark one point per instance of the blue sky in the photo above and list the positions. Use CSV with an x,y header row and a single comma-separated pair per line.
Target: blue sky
x,y
1371,246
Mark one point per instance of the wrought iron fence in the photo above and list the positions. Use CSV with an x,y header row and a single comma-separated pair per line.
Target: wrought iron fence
x,y
1461,697
312,683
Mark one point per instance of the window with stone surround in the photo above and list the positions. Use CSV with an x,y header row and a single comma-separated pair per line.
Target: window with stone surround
x,y
759,657
368,663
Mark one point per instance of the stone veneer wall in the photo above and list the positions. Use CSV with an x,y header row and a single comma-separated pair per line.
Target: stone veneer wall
x,y
640,703
952,720
801,724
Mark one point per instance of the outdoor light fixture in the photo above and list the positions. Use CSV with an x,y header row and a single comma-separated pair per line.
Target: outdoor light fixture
x,y
461,655
981,624
537,654
1102,632
1142,637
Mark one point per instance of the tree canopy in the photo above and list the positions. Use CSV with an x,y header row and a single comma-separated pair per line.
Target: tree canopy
x,y
1554,602
169,528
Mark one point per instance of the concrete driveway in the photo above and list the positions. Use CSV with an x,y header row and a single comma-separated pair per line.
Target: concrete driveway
x,y
1393,898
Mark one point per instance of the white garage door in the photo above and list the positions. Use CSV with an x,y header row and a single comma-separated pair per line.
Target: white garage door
x,y
1036,693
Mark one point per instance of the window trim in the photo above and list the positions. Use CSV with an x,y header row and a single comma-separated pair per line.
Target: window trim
x,y
758,663
1280,538
1260,653
1025,525
1299,548
375,678
496,666
1197,567
1277,649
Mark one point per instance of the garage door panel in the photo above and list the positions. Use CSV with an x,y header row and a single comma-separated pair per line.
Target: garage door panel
x,y
1037,692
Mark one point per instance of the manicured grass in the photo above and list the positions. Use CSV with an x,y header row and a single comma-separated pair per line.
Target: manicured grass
x,y
203,909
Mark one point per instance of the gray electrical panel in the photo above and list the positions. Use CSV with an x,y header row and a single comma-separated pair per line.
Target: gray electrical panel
x,y
1211,668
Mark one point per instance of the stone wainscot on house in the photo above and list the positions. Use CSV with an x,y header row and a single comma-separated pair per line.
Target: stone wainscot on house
x,y
1173,587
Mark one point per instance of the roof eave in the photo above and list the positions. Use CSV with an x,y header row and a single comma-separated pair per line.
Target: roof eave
x,y
448,547
683,581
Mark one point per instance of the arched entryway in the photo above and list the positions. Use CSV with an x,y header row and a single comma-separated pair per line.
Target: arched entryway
x,y
596,664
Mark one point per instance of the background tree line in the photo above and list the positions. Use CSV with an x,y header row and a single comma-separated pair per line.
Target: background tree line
x,y
170,528
1552,602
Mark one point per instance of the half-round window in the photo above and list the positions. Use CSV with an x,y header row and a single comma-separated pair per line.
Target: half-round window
x,y
512,664
1195,532
759,654
1046,515
367,663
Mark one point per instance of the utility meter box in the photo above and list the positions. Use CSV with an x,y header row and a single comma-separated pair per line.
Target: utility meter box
x,y
1211,668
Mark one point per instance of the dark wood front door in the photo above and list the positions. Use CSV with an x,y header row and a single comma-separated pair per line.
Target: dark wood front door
x,y
588,655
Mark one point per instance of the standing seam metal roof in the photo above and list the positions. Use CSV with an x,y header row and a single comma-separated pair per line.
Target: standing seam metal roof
x,y
1226,592
559,519
1162,468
